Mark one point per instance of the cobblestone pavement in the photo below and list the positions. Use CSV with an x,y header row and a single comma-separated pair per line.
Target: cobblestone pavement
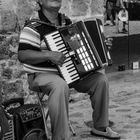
x,y
124,108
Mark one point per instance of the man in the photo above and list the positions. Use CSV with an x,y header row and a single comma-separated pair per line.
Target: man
x,y
40,63
108,11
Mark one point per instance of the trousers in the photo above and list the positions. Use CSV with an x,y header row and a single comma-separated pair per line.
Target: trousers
x,y
96,85
108,9
58,98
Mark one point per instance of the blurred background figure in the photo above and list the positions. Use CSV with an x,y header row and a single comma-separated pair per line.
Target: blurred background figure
x,y
108,11
121,14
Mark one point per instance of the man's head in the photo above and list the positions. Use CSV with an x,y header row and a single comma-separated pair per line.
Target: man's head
x,y
51,4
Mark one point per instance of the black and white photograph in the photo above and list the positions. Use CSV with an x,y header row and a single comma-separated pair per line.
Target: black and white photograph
x,y
69,69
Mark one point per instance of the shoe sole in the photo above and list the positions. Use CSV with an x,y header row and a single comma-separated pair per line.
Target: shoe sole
x,y
98,135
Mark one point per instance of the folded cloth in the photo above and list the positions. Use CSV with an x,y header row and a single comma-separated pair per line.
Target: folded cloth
x,y
109,133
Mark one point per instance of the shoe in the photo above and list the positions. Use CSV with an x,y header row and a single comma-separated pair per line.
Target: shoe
x,y
109,133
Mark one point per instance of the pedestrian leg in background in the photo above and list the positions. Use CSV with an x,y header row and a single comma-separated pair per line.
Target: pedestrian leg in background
x,y
108,12
117,23
111,17
105,16
124,30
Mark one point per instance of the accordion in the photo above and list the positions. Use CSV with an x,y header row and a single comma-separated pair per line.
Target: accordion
x,y
96,31
75,42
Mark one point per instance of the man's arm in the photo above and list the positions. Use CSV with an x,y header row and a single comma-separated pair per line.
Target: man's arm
x,y
29,51
31,56
35,57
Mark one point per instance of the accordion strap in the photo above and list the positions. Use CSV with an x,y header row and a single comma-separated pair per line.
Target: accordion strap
x,y
39,21
42,22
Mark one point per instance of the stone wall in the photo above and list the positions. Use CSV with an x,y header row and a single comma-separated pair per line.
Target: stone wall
x,y
13,14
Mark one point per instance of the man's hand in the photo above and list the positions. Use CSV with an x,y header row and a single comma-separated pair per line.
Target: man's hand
x,y
57,58
108,42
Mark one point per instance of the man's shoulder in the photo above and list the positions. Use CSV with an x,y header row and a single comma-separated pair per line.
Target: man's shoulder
x,y
33,23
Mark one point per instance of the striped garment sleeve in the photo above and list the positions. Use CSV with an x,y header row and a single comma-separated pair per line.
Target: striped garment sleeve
x,y
29,39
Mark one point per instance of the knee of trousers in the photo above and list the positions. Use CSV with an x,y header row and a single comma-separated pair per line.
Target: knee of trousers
x,y
102,79
99,92
56,84
100,84
60,87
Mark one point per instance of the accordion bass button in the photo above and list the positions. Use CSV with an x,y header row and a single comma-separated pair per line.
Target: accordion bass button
x,y
71,53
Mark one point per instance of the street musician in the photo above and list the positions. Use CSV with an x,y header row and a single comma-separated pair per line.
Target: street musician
x,y
41,66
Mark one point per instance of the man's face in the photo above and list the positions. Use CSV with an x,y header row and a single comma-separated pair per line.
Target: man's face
x,y
51,4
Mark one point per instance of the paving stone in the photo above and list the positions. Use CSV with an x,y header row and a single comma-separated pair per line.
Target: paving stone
x,y
124,108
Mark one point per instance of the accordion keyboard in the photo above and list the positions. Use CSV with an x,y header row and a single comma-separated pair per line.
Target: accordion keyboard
x,y
68,69
81,55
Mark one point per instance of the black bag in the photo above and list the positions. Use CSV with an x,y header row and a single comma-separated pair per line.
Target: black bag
x,y
28,123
